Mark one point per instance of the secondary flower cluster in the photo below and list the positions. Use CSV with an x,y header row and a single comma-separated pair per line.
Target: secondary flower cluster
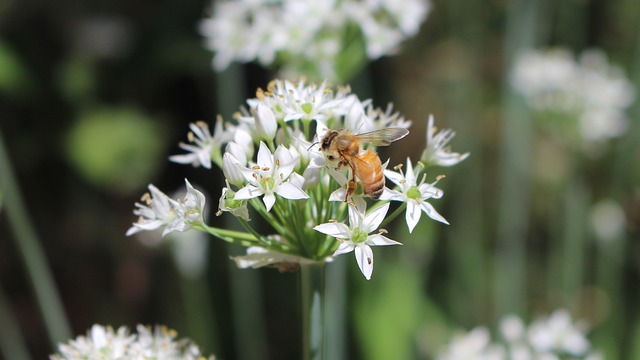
x,y
273,164
589,91
309,34
105,343
555,337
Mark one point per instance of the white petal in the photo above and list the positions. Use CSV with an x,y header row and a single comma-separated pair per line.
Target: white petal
x,y
393,195
290,191
237,151
429,191
337,230
432,213
364,257
233,170
356,215
395,177
380,240
247,192
345,247
408,174
269,199
413,214
375,218
266,123
265,158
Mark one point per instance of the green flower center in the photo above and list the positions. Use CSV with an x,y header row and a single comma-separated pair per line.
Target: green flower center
x,y
414,193
307,107
358,235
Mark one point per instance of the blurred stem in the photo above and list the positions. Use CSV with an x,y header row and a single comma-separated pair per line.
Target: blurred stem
x,y
335,309
312,286
245,285
12,343
576,203
514,193
199,312
32,253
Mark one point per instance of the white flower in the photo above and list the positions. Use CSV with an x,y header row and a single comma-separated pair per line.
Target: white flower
x,y
590,94
233,162
175,215
268,177
307,32
414,194
258,257
103,343
475,345
157,211
437,151
191,207
228,203
265,121
357,236
558,333
204,144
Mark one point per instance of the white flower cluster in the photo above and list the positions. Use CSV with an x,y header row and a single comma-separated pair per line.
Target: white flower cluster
x,y
105,343
589,89
552,338
300,33
273,161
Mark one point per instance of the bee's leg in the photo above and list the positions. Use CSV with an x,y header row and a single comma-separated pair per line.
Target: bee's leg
x,y
351,185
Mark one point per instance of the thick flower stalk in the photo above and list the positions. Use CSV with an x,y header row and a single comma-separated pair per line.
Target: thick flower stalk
x,y
280,166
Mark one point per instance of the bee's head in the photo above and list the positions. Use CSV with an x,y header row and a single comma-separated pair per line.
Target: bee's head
x,y
328,139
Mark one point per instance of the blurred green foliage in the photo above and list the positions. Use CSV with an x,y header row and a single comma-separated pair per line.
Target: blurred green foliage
x,y
117,149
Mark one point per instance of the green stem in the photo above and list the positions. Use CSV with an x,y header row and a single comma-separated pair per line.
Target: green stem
x,y
12,343
312,285
231,236
393,215
32,254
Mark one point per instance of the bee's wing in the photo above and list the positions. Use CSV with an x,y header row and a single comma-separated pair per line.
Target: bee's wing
x,y
383,137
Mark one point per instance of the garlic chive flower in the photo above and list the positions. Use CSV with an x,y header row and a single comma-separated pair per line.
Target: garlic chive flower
x,y
105,343
552,337
415,194
310,36
357,236
159,211
437,151
583,98
268,177
275,173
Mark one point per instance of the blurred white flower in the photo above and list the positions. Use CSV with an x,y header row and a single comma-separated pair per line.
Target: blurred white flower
x,y
308,35
607,220
555,337
589,90
103,343
558,333
200,152
475,345
357,236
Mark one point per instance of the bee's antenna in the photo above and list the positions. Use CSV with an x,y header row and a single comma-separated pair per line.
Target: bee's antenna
x,y
312,145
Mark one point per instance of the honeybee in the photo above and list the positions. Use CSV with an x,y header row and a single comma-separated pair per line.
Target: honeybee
x,y
342,148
